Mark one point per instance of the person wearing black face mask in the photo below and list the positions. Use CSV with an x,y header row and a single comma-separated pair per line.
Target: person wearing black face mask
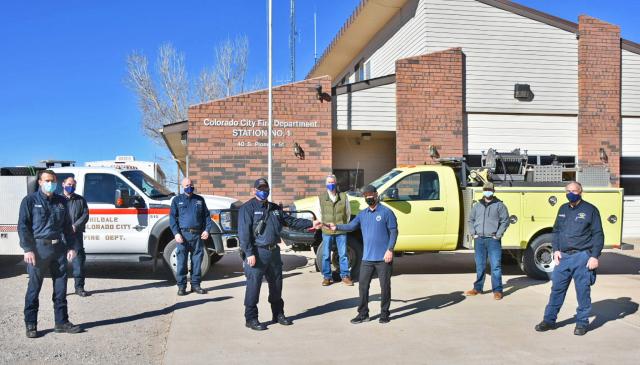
x,y
190,222
578,240
259,225
79,214
379,228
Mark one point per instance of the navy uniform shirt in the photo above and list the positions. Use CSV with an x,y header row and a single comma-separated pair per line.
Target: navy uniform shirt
x,y
189,212
578,228
43,217
250,214
379,231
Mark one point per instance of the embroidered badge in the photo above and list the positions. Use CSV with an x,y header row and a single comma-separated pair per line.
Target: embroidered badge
x,y
378,218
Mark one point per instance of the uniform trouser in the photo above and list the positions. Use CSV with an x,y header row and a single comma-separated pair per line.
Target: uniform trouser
x,y
571,266
491,247
78,264
192,245
341,245
384,270
268,265
52,259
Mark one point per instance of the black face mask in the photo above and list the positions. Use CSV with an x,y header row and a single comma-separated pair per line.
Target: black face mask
x,y
371,201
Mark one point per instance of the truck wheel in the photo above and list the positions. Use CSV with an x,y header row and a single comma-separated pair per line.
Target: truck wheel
x,y
214,258
354,254
171,260
10,260
537,261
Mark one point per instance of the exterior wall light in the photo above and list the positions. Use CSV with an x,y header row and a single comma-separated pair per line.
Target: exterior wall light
x,y
603,156
298,151
183,138
523,92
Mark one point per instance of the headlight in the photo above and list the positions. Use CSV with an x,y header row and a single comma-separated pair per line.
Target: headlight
x,y
225,220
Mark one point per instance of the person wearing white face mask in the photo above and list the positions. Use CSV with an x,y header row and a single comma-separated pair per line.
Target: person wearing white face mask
x,y
488,220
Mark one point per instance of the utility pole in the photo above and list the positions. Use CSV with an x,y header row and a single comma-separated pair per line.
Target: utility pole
x,y
270,147
292,40
315,37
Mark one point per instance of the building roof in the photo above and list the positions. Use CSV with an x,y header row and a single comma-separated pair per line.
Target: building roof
x,y
370,16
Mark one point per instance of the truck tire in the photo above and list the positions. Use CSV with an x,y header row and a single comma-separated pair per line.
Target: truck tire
x,y
537,261
10,260
214,258
354,254
170,259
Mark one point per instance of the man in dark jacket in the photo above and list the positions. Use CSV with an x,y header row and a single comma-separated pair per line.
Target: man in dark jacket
x,y
488,220
78,211
259,225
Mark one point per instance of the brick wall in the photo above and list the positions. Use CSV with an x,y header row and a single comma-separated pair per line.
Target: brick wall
x,y
221,164
599,123
430,106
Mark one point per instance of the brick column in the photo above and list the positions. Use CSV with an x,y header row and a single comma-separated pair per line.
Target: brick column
x,y
228,142
430,106
599,66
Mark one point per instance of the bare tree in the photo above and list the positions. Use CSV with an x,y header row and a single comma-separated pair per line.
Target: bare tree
x,y
169,105
164,96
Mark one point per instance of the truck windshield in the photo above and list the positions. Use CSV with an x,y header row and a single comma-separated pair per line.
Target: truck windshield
x,y
147,184
379,181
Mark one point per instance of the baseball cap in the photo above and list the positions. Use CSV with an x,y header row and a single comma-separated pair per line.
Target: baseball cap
x,y
369,189
260,182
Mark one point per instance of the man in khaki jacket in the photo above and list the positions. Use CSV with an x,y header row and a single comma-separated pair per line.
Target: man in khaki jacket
x,y
334,208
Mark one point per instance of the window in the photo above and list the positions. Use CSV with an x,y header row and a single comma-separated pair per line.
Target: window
x,y
421,186
358,71
367,70
101,188
630,175
349,180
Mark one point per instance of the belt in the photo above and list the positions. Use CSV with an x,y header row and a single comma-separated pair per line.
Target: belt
x,y
571,252
47,241
192,230
269,247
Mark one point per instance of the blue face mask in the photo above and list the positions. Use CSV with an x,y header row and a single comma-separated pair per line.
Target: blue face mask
x,y
487,194
70,189
49,187
331,187
571,197
189,189
262,194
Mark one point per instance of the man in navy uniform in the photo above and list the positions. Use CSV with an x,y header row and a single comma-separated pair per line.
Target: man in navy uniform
x,y
79,214
259,225
190,223
42,222
379,228
577,243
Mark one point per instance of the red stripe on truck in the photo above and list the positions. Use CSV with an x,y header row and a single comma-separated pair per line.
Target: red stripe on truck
x,y
8,228
130,211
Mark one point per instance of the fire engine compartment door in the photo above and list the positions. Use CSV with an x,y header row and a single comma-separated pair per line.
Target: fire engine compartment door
x,y
111,229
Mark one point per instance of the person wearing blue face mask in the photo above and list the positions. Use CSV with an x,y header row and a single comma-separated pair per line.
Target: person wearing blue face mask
x,y
334,208
259,225
42,223
577,243
79,215
488,220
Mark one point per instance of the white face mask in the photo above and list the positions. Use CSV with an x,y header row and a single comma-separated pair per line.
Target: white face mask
x,y
487,194
49,186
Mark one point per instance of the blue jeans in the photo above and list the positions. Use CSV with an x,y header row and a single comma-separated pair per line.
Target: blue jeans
x,y
487,246
78,264
49,259
268,265
341,244
571,266
192,244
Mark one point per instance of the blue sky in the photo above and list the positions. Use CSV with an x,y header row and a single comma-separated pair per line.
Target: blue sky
x,y
62,63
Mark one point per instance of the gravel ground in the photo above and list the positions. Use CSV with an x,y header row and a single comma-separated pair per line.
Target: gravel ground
x,y
126,319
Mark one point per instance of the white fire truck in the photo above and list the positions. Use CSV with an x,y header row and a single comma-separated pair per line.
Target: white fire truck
x,y
129,215
150,168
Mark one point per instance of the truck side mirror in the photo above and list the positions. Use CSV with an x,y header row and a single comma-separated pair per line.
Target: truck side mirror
x,y
390,194
122,198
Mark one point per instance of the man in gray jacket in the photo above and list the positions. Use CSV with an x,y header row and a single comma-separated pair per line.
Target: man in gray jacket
x,y
488,220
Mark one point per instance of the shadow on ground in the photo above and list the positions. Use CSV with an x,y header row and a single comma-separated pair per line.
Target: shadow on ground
x,y
606,310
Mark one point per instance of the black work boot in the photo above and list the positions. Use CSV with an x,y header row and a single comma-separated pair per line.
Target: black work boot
x,y
182,291
32,330
67,327
281,319
360,318
255,325
198,289
580,330
81,292
545,326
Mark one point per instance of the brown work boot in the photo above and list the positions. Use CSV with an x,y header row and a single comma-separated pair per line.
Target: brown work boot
x,y
326,282
471,293
347,281
497,295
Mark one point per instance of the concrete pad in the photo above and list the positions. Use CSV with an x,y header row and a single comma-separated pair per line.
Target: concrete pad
x,y
432,322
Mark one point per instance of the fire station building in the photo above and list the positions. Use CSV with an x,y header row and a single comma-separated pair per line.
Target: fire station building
x,y
402,75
